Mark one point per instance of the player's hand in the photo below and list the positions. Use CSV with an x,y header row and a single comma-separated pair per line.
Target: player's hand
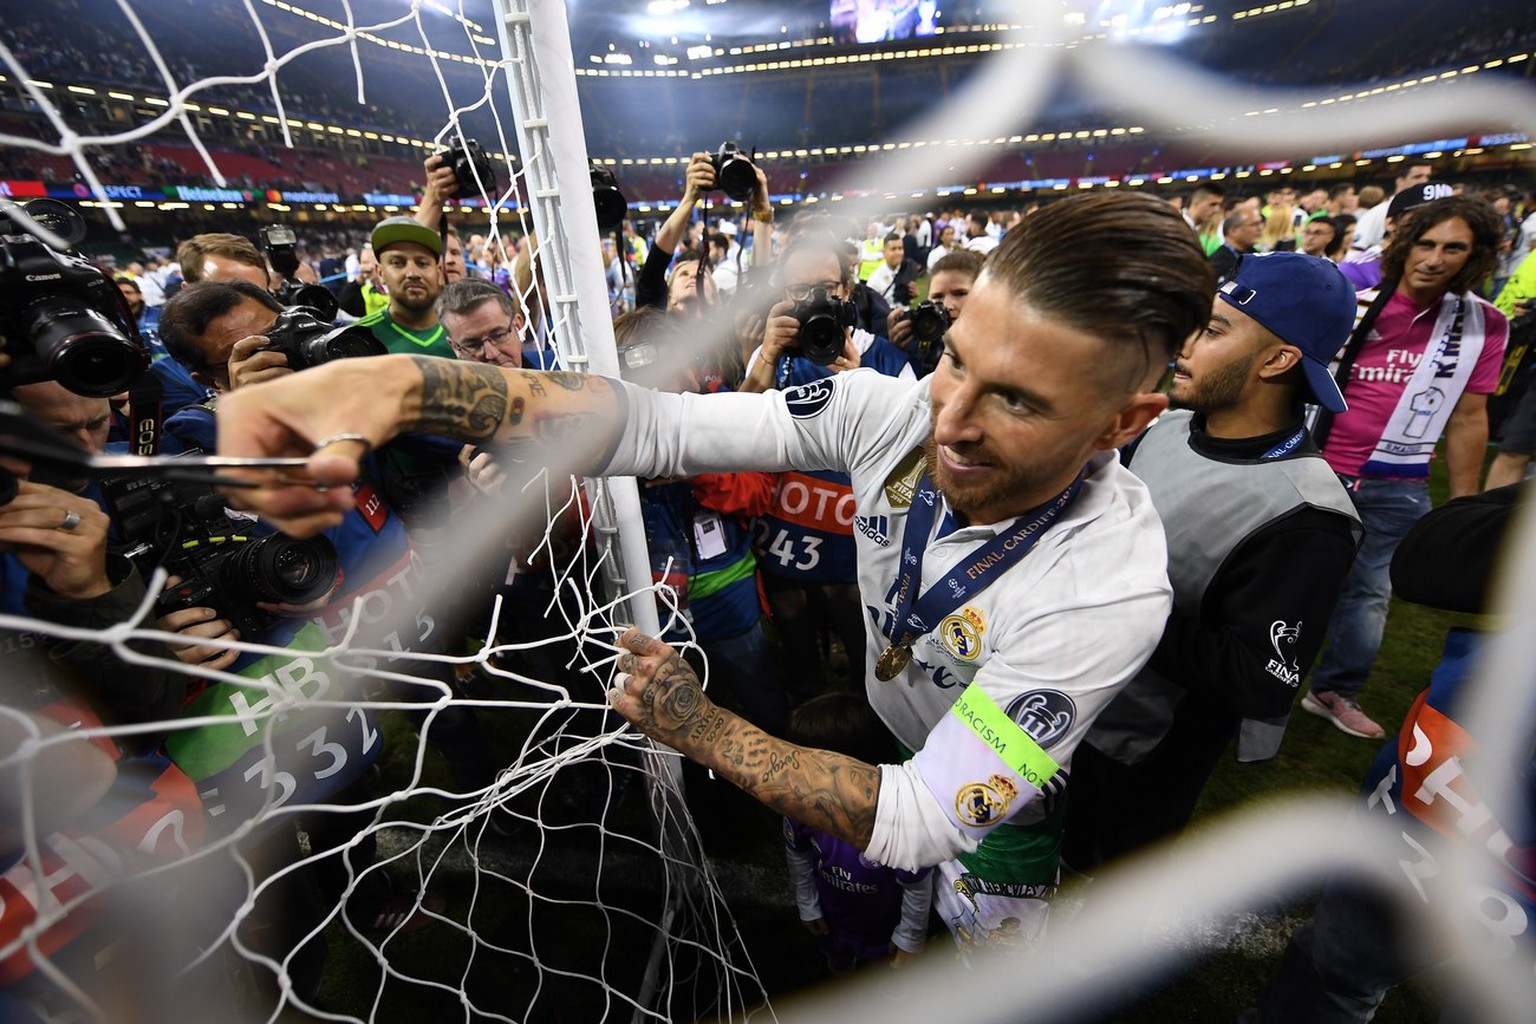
x,y
59,537
252,361
369,398
656,691
901,958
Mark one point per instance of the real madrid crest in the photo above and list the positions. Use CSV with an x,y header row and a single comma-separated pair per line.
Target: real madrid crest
x,y
980,804
961,633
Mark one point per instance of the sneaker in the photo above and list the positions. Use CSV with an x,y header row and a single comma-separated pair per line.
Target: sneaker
x,y
1344,713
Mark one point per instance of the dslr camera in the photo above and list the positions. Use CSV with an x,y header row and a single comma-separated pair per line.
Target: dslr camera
x,y
824,322
63,319
607,199
187,528
930,322
468,161
279,242
734,173
308,341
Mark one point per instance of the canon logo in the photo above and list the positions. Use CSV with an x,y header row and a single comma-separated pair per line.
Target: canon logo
x,y
44,277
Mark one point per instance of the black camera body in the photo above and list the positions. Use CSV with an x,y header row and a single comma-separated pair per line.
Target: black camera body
x,y
930,322
63,318
307,340
469,161
734,173
281,246
607,199
186,528
824,323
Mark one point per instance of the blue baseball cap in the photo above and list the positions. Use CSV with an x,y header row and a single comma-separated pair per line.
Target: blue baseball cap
x,y
1304,301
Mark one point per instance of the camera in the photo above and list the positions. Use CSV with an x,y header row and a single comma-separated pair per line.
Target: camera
x,y
930,322
280,244
63,318
734,173
824,322
187,528
309,341
607,199
469,164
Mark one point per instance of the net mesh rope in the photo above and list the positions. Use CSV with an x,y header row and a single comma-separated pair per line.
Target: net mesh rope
x,y
606,909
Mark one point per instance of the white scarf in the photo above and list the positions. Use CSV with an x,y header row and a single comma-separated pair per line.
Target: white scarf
x,y
1437,383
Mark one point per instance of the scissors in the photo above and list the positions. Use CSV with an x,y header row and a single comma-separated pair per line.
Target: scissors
x,y
24,438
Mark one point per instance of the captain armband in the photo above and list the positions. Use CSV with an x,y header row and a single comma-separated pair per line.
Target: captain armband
x,y
980,763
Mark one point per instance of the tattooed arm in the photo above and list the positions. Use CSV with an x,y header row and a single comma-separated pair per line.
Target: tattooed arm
x,y
331,414
572,417
661,696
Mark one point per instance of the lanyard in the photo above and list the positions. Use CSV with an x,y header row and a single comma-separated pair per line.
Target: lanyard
x,y
1286,446
918,615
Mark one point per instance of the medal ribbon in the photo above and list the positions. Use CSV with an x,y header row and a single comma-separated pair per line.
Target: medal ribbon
x,y
915,615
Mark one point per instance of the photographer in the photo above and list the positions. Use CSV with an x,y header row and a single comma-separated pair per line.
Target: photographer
x,y
805,542
103,812
812,268
227,332
443,171
224,330
949,285
56,566
654,287
177,388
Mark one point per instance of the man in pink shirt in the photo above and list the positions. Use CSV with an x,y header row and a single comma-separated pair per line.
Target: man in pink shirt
x,y
1420,364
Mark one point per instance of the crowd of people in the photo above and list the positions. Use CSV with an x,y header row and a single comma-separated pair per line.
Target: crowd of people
x,y
1086,526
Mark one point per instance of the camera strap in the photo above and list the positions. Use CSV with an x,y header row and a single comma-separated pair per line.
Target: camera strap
x,y
145,414
704,264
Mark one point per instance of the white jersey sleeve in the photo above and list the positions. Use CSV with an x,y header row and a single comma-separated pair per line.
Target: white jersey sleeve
x,y
833,424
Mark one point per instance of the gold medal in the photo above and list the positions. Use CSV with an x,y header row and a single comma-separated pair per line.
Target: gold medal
x,y
891,661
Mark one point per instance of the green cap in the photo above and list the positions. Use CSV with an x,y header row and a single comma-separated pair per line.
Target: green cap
x,y
394,230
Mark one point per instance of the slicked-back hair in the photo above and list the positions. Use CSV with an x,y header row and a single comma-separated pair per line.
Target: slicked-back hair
x,y
1124,267
185,318
1480,217
465,296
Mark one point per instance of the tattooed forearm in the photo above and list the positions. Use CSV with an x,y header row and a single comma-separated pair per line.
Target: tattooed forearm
x,y
828,791
463,400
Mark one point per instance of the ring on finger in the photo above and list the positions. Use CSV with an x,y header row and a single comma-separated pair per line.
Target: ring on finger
x,y
71,520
